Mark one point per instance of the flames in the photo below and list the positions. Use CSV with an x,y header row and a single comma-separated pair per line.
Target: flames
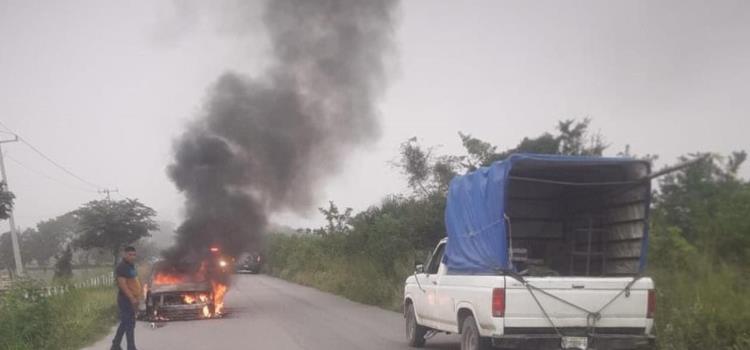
x,y
219,290
203,298
168,278
214,298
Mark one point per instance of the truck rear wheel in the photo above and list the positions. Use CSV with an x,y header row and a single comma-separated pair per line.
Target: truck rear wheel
x,y
470,338
414,332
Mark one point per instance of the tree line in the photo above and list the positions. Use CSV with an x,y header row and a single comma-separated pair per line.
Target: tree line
x,y
94,232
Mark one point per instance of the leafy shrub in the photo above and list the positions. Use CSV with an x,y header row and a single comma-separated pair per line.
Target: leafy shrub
x,y
69,321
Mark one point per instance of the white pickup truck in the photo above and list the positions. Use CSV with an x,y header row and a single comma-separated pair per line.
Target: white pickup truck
x,y
543,252
528,312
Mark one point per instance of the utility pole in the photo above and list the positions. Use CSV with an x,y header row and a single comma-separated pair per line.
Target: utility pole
x,y
108,192
12,221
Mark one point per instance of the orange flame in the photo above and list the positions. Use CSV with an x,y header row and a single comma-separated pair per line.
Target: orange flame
x,y
219,291
189,299
165,278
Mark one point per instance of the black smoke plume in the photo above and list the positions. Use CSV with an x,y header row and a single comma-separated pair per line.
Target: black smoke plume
x,y
264,144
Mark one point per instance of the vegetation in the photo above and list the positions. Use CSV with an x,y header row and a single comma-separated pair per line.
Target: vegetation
x,y
700,238
699,255
6,201
68,321
112,225
49,238
64,265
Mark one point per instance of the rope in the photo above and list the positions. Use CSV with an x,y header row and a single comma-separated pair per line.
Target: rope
x,y
592,317
569,183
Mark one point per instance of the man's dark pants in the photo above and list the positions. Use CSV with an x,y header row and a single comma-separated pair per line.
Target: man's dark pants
x,y
127,323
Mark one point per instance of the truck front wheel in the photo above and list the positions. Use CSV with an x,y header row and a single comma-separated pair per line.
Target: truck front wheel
x,y
414,332
470,338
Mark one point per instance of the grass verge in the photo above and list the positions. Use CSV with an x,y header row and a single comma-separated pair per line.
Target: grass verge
x,y
69,321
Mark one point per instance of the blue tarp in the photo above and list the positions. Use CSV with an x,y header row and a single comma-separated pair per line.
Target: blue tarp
x,y
474,213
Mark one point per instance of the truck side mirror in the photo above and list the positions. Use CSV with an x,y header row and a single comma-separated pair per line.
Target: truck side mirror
x,y
419,268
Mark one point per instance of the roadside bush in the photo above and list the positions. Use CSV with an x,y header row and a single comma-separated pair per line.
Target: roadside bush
x,y
26,318
68,321
369,261
702,301
704,308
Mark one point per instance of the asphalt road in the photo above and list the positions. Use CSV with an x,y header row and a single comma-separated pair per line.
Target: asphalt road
x,y
268,313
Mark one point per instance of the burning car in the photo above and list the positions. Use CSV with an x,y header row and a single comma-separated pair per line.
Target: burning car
x,y
179,300
181,293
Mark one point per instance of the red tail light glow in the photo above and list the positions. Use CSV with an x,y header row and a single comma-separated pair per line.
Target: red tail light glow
x,y
651,310
498,302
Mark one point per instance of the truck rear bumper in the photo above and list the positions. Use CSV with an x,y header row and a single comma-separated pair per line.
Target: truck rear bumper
x,y
552,342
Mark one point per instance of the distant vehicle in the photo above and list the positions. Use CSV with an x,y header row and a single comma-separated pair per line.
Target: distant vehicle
x,y
250,262
543,252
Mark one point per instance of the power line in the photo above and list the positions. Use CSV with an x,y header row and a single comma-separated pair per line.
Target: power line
x,y
56,164
48,177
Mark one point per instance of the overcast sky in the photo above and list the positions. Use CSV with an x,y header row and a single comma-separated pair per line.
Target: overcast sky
x,y
103,88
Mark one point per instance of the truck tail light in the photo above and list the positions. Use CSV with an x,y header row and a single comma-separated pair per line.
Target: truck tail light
x,y
651,310
498,302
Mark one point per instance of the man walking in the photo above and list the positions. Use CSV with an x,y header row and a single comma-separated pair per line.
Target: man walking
x,y
128,298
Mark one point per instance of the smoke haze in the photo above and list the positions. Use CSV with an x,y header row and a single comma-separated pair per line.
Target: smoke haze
x,y
264,144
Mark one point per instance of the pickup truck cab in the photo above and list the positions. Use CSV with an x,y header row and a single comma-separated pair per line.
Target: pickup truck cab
x,y
517,312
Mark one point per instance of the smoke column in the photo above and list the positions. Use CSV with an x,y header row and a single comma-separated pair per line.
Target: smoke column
x,y
264,144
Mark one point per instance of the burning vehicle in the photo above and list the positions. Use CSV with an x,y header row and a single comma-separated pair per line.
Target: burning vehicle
x,y
185,292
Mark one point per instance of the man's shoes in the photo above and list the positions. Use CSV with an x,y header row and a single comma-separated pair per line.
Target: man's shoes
x,y
115,347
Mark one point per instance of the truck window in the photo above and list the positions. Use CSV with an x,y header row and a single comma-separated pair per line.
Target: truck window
x,y
437,258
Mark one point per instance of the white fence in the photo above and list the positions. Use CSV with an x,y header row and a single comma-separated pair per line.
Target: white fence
x,y
5,280
106,279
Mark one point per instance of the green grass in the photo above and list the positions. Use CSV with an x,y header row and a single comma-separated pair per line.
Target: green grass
x,y
706,308
68,321
307,261
357,280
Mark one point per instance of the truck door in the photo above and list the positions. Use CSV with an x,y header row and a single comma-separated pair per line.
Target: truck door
x,y
445,308
429,281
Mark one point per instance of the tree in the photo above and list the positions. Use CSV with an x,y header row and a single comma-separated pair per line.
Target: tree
x,y
479,152
415,164
7,260
49,237
6,201
337,222
572,138
64,264
427,174
707,203
112,225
